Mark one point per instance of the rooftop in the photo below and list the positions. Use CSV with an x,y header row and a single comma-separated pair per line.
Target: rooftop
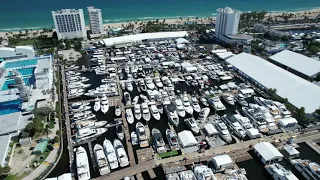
x,y
239,36
291,150
222,160
267,151
187,138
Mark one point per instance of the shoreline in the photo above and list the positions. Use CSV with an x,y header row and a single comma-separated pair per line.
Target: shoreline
x,y
311,13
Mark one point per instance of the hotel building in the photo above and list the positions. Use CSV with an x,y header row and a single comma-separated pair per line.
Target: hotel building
x,y
96,21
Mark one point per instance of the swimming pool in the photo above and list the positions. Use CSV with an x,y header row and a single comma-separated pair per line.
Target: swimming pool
x,y
10,107
24,71
282,45
22,63
27,81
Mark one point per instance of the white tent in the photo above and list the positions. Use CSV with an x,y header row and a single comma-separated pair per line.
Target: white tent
x,y
267,152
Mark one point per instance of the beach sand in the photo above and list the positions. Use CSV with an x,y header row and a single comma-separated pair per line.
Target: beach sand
x,y
297,15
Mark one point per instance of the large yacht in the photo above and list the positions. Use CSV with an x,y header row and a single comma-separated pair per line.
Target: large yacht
x,y
154,112
158,141
192,125
142,135
96,106
283,110
172,114
278,172
203,114
234,125
186,104
244,121
111,154
270,119
202,172
241,100
179,107
127,98
90,124
310,170
216,104
187,175
145,111
101,159
121,153
228,98
195,104
256,118
104,104
137,111
79,106
87,133
101,90
129,115
274,111
172,140
83,168
223,130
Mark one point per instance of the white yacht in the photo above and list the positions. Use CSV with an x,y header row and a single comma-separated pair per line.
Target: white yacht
x,y
160,108
127,98
119,131
228,98
91,124
216,104
179,107
134,138
310,170
142,135
204,101
81,114
256,118
202,172
195,104
101,90
224,132
101,159
203,114
111,155
83,169
158,141
104,104
274,111
149,83
86,133
84,117
145,111
96,106
241,100
158,82
154,112
117,111
186,104
172,114
135,100
283,110
278,172
173,176
187,175
121,153
137,111
234,125
129,86
172,140
192,125
79,106
129,115
143,86
244,121
144,98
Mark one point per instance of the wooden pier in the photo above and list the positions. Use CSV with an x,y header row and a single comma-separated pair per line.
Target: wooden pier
x,y
139,176
113,101
151,173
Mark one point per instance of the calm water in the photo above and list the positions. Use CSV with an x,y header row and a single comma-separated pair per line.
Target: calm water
x,y
18,15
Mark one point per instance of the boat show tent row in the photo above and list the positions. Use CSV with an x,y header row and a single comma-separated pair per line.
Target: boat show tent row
x,y
300,92
267,152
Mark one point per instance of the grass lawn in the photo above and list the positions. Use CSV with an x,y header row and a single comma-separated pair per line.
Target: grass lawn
x,y
168,154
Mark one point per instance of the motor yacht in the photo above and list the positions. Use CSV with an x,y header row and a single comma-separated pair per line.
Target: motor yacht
x,y
166,81
191,123
195,104
129,86
223,131
110,153
137,111
142,135
101,160
204,113
202,172
104,104
309,170
234,125
117,111
187,175
256,118
278,172
154,112
228,98
134,138
274,111
129,115
172,140
285,113
79,106
173,176
123,85
160,108
241,100
83,169
90,124
85,117
135,100
216,104
81,114
144,98
87,133
204,101
96,106
145,111
186,104
119,131
172,114
121,153
142,85
72,67
106,89
158,141
179,107
149,83
83,132
158,82
244,121
127,98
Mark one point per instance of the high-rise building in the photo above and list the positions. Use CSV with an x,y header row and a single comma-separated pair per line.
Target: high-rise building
x,y
96,21
69,23
227,22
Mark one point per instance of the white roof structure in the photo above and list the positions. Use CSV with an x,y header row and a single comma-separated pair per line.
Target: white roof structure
x,y
187,139
286,121
210,129
298,62
300,92
225,55
182,41
252,132
145,36
291,150
219,51
54,178
267,151
222,160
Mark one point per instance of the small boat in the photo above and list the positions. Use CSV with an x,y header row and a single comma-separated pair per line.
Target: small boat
x,y
121,153
117,111
142,135
204,101
129,116
127,98
123,85
143,86
129,86
160,108
241,100
195,104
154,112
149,83
172,140
83,168
203,114
145,111
111,155
191,123
158,82
104,104
158,141
135,100
101,160
137,111
120,133
96,106
91,124
144,98
134,138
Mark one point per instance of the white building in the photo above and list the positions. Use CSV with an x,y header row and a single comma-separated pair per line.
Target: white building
x,y
69,23
96,21
267,152
188,141
17,52
222,163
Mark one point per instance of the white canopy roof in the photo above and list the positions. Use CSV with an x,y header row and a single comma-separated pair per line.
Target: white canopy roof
x,y
210,129
182,41
222,160
187,139
252,132
267,151
287,121
291,150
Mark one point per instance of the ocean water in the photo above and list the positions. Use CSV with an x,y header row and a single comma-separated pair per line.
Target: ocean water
x,y
18,15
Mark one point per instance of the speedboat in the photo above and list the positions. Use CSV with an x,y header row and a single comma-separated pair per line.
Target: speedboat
x,y
160,108
228,98
172,140
129,86
83,168
145,111
158,141
134,138
241,100
179,107
129,115
235,126
158,82
104,104
111,155
195,104
186,104
127,98
137,111
204,101
224,132
277,171
216,104
203,114
121,153
310,170
120,133
96,106
172,114
143,86
202,172
187,175
117,111
154,112
191,123
142,135
135,100
101,159
149,83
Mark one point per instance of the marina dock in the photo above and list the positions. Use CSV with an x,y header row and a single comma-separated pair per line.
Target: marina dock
x,y
151,173
113,101
94,164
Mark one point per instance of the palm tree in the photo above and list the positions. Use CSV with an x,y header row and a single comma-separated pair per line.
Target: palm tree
x,y
47,130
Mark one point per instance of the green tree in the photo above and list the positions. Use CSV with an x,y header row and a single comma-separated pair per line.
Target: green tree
x,y
56,139
58,132
47,130
4,170
44,111
285,38
314,49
